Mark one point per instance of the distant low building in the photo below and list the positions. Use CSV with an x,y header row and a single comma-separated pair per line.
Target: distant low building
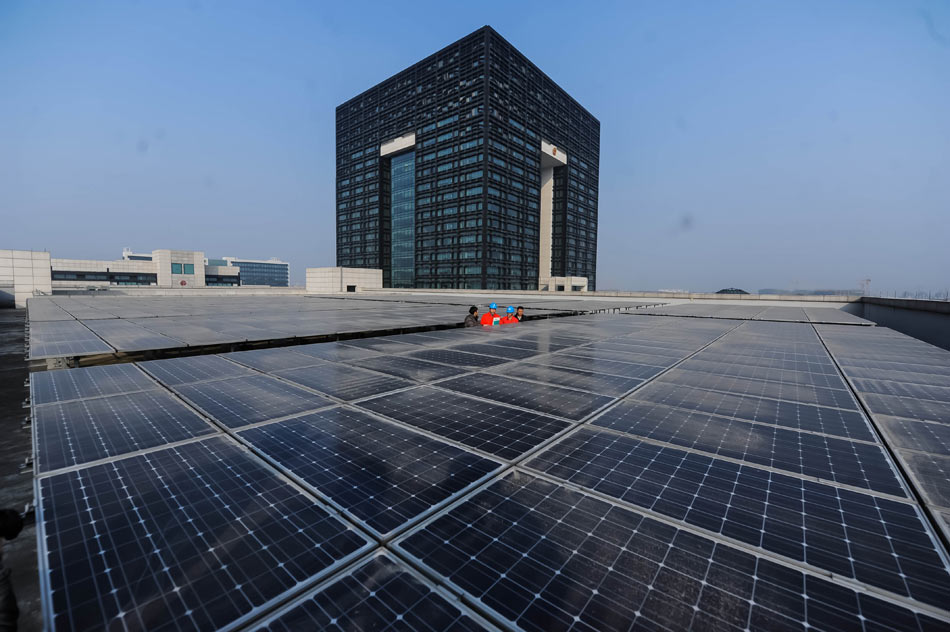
x,y
272,272
731,290
25,273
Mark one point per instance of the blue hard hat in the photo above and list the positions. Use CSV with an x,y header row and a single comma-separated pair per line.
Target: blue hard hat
x,y
493,306
510,310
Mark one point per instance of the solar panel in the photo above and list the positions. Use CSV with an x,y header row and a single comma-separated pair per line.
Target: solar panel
x,y
335,351
551,400
920,409
610,385
496,350
409,368
596,365
498,430
127,336
833,421
458,358
931,473
273,359
383,344
174,371
60,386
201,536
860,464
649,359
64,339
791,391
382,474
543,557
241,401
915,435
342,381
789,376
379,594
86,430
874,540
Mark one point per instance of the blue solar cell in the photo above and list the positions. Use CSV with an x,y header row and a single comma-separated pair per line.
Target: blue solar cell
x,y
878,541
60,386
551,400
200,536
241,401
860,464
499,430
86,430
383,474
381,594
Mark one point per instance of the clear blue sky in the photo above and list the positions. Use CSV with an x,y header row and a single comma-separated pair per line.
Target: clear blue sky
x,y
753,144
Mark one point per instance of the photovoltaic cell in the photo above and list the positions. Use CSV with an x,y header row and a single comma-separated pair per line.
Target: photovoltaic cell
x,y
128,336
595,365
920,409
551,400
931,473
598,353
51,339
915,435
241,401
904,389
335,351
59,386
383,474
496,350
610,385
545,557
409,368
874,540
380,594
174,371
851,463
833,421
86,430
273,359
382,344
342,381
196,537
499,430
790,376
806,394
458,358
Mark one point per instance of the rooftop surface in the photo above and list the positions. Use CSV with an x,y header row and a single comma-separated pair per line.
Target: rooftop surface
x,y
584,473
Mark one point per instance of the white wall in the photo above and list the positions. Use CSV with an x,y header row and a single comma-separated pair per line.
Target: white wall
x,y
27,272
332,280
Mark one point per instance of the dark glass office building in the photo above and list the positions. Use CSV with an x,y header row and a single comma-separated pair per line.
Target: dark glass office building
x,y
470,169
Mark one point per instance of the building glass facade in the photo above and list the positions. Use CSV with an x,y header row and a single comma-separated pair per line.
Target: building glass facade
x,y
479,111
260,273
403,212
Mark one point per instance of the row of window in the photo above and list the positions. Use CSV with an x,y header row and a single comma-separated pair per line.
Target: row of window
x,y
183,268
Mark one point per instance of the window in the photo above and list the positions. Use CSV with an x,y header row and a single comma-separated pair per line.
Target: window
x,y
189,268
176,268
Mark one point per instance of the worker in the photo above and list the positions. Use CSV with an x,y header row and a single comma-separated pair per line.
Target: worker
x,y
492,317
472,319
509,318
519,313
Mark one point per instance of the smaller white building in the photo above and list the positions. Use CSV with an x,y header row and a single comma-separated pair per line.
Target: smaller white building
x,y
23,273
333,280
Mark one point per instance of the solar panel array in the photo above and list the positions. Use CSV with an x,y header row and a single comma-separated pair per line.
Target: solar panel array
x,y
780,313
588,473
74,326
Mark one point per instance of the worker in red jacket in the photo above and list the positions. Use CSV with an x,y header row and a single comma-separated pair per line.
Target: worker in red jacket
x,y
509,318
491,317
